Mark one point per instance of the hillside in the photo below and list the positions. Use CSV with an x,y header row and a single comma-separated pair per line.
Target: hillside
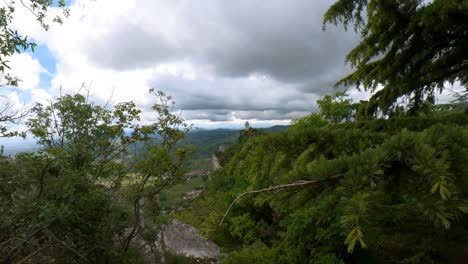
x,y
354,192
101,162
207,142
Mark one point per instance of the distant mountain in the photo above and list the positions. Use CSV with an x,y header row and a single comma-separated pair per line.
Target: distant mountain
x,y
13,146
275,129
206,141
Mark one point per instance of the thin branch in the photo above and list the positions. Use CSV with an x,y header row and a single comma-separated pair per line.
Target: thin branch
x,y
23,241
11,178
26,259
7,241
67,246
29,8
278,187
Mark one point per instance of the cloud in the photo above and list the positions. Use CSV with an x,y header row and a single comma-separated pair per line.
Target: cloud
x,y
282,39
27,69
255,97
221,60
29,91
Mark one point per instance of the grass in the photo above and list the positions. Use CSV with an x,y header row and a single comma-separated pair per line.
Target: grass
x,y
172,197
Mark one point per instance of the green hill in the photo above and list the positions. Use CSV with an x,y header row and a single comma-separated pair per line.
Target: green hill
x,y
355,192
207,142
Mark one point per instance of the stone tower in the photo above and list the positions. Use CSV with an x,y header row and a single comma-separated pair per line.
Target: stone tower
x,y
247,126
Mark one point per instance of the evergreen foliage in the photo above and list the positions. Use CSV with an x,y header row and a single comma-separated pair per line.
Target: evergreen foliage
x,y
388,190
411,48
397,193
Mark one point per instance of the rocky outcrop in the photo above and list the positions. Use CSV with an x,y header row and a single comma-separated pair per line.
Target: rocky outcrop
x,y
182,239
192,194
215,162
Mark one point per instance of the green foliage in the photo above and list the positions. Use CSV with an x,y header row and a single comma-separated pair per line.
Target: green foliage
x,y
159,165
395,186
333,109
242,227
172,258
45,202
55,197
12,42
411,48
173,197
312,120
207,142
176,259
68,201
336,108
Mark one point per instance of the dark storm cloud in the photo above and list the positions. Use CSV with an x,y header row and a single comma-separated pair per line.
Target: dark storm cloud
x,y
130,46
280,39
230,115
248,100
230,98
283,39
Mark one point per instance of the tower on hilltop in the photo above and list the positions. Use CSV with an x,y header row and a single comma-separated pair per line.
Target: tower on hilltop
x,y
247,126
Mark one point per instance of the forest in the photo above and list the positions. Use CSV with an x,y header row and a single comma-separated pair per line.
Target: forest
x,y
381,180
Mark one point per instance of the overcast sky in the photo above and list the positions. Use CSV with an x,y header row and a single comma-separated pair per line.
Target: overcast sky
x,y
224,61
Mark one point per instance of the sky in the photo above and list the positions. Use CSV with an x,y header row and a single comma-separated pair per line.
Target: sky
x,y
224,62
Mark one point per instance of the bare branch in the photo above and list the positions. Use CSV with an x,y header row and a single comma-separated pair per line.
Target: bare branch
x,y
26,259
278,187
67,246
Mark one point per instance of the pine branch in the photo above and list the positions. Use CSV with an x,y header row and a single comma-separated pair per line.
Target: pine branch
x,y
278,187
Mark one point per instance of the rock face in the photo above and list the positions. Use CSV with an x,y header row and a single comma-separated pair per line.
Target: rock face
x,y
215,162
192,194
181,239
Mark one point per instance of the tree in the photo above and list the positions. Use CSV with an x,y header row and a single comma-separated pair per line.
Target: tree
x,y
328,190
9,116
159,165
68,201
409,48
53,202
11,42
333,109
336,108
86,135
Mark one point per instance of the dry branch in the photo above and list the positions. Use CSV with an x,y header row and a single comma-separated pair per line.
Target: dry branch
x,y
278,187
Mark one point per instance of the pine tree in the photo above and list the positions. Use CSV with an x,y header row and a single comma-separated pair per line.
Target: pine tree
x,y
411,48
